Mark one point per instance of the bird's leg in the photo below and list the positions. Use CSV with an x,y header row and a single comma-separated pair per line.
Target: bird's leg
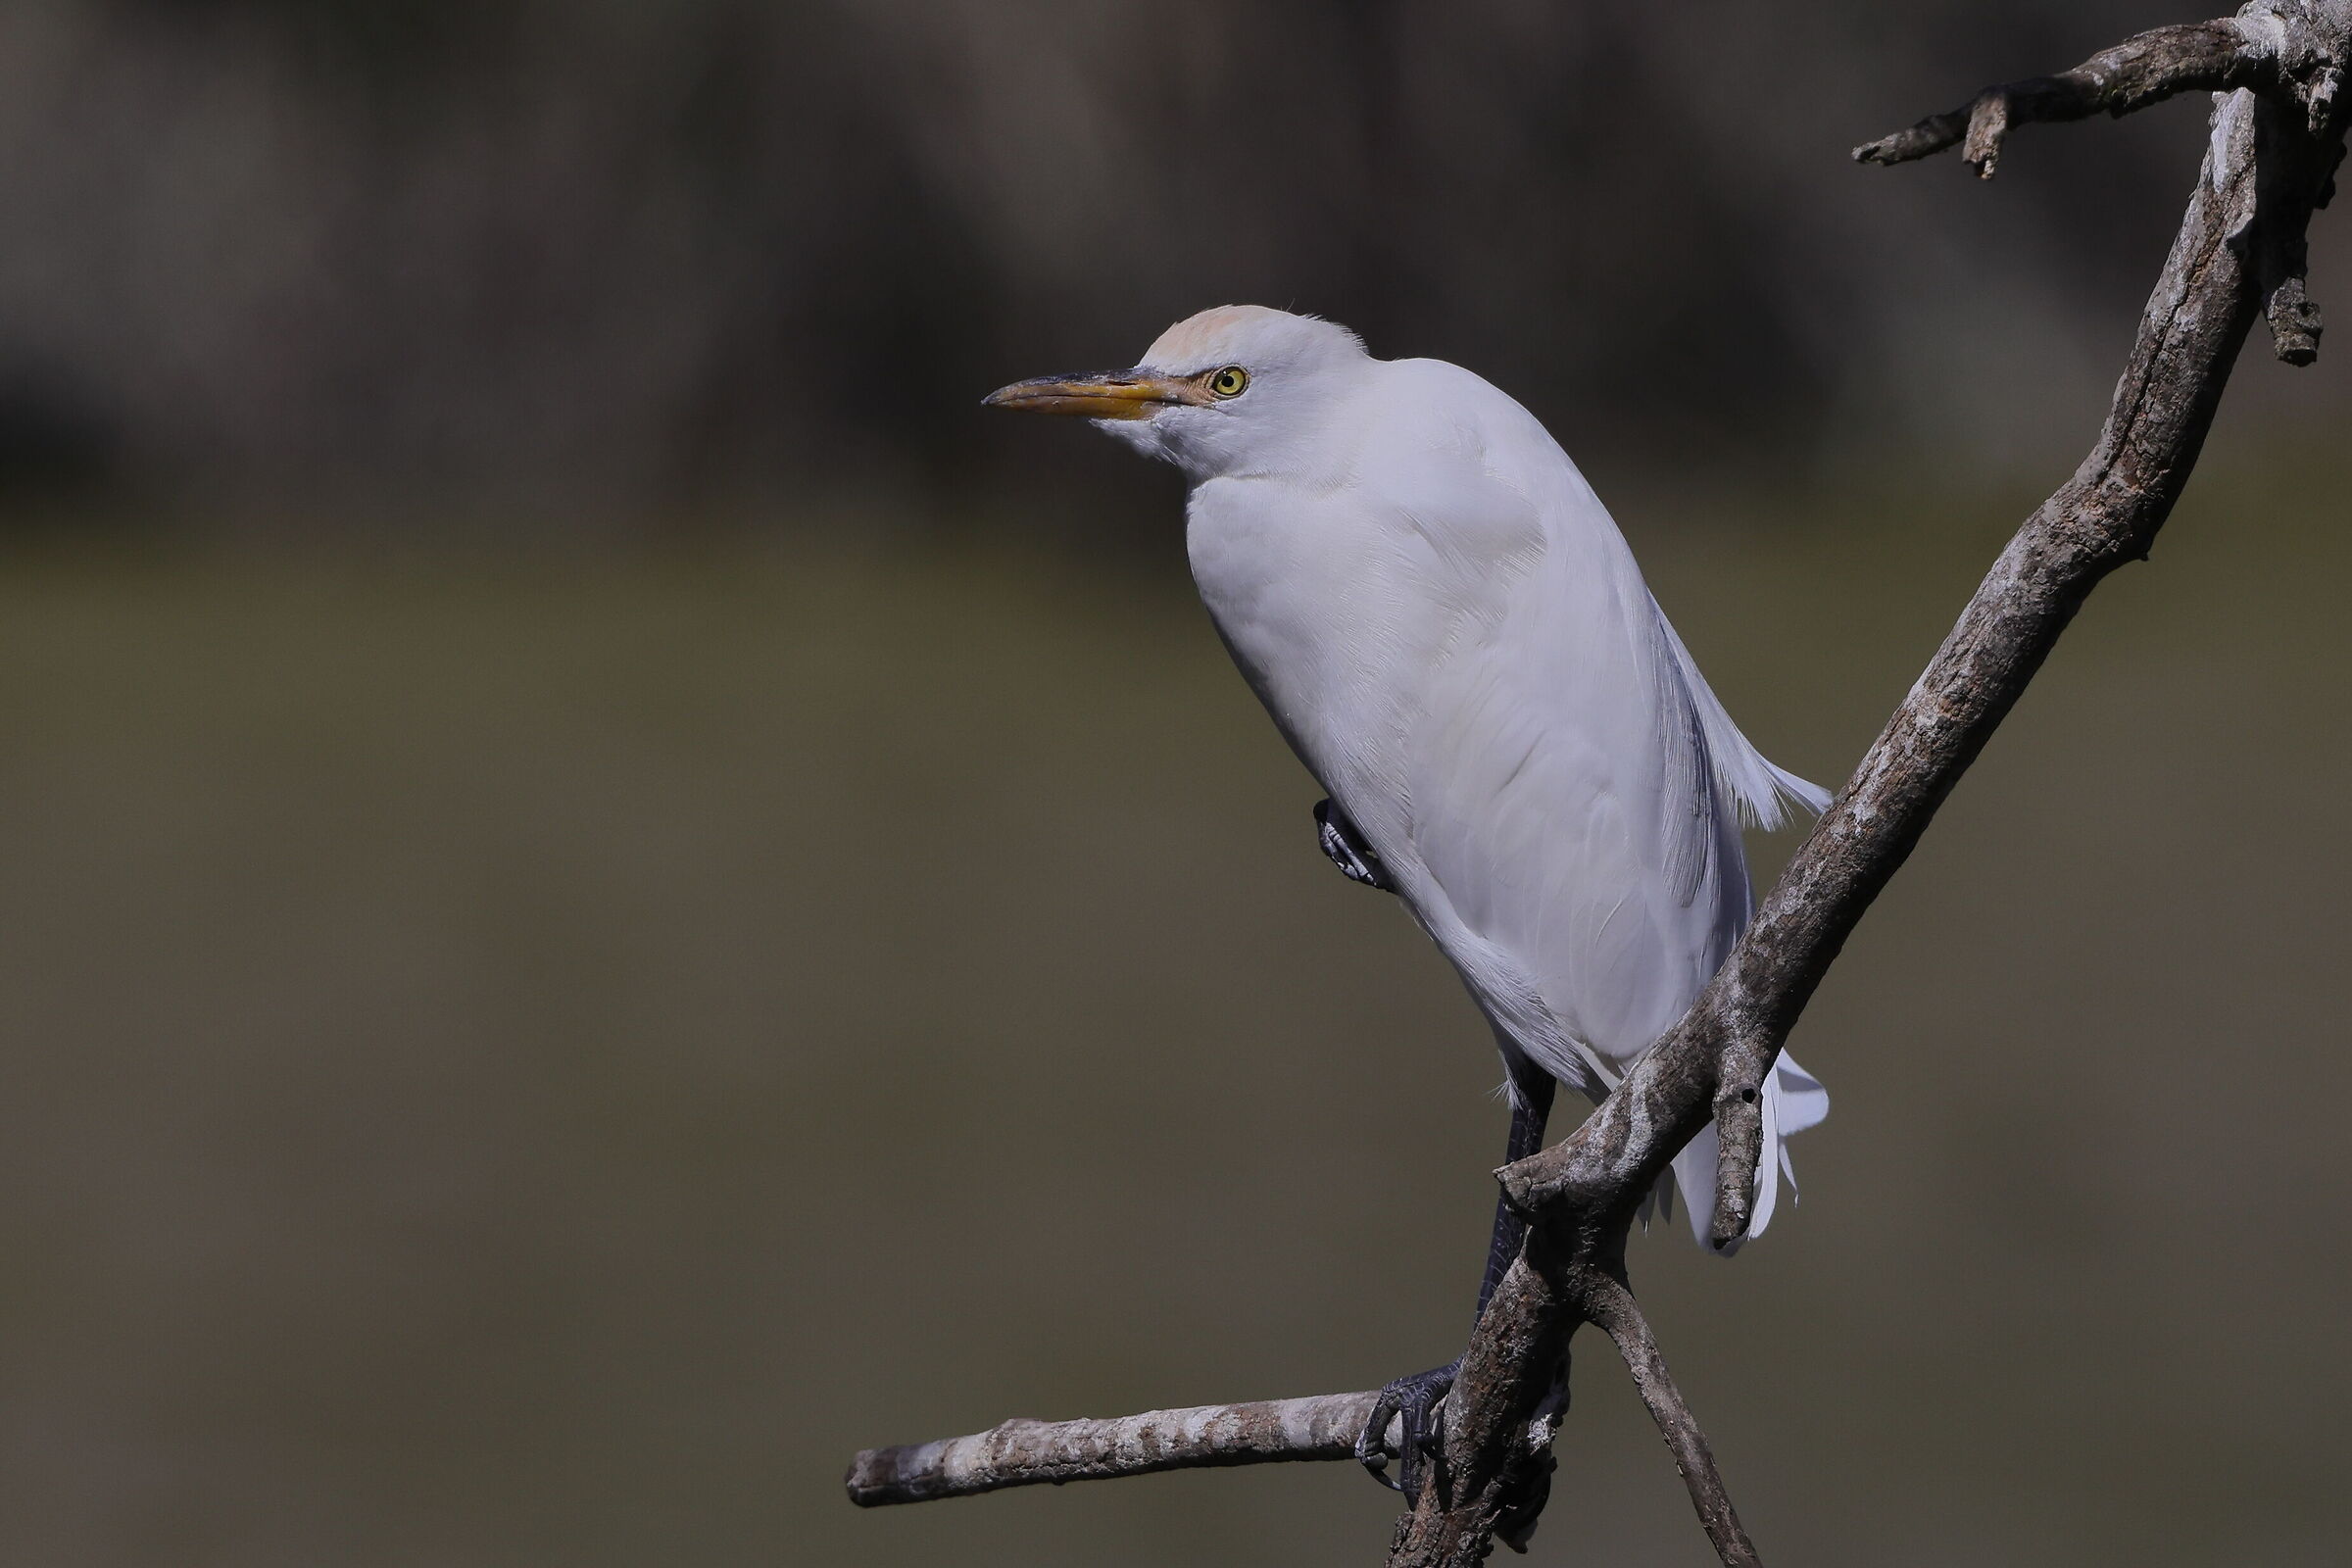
x,y
1532,1089
1344,843
1415,1399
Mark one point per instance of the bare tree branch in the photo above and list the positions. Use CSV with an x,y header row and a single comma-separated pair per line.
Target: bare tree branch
x,y
1028,1454
2133,75
2277,48
1611,1306
2276,138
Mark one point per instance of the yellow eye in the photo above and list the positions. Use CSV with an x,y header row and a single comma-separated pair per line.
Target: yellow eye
x,y
1230,382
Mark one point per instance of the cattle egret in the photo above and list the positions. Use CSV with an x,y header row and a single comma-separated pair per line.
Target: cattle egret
x,y
1451,634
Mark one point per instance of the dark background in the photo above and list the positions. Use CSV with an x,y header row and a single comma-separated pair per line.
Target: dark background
x,y
610,892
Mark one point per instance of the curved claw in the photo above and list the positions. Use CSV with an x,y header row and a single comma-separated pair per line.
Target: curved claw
x,y
1415,1400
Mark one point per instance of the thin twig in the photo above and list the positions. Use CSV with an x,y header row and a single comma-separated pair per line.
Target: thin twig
x,y
1612,1306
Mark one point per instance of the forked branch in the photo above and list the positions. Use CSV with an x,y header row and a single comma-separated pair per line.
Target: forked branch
x,y
2278,134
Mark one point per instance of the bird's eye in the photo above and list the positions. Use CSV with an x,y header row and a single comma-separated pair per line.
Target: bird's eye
x,y
1230,382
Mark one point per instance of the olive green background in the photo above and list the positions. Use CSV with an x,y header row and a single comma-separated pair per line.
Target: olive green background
x,y
519,1060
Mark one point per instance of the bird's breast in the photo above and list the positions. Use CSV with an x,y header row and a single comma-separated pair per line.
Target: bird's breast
x,y
1340,614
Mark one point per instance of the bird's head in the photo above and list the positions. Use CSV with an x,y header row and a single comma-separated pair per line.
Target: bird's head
x,y
1238,389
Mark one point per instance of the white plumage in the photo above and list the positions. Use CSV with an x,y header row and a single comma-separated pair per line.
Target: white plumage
x,y
1454,638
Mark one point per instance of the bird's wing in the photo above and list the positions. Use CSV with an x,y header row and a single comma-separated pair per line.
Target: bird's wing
x,y
1566,808
1561,790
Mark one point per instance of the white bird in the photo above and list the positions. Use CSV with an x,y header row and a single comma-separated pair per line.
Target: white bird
x,y
1453,637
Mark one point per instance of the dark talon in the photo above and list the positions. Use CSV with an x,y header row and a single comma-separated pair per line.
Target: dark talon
x,y
1344,842
1415,1399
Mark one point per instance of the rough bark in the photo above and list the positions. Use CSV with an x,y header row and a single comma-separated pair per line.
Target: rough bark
x,y
2277,135
1028,1454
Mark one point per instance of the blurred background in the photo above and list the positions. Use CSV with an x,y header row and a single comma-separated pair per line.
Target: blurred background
x,y
610,893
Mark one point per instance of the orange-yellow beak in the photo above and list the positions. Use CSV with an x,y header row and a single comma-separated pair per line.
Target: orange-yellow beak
x,y
1118,395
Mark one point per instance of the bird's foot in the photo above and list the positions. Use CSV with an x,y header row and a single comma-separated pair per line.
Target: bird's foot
x,y
1414,1402
1344,842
